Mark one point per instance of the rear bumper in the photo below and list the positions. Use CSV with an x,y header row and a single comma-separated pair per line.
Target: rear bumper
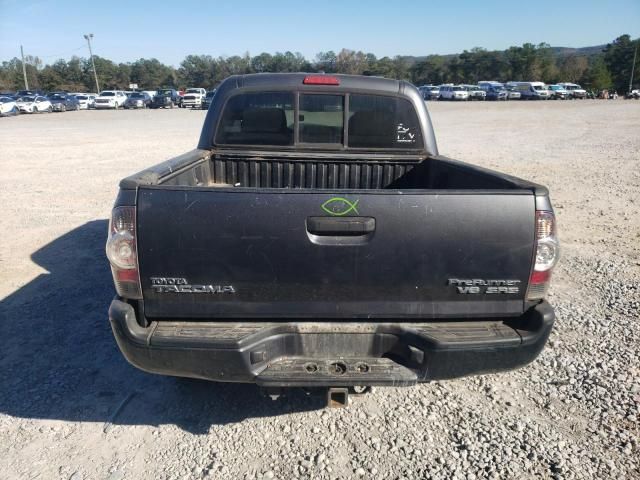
x,y
286,354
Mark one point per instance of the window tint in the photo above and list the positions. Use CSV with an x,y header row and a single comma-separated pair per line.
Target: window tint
x,y
321,118
382,122
264,118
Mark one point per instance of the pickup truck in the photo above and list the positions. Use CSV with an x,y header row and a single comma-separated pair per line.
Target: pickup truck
x,y
316,238
193,98
166,97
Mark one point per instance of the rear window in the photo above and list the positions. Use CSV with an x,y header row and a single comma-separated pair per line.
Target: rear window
x,y
321,118
264,118
268,118
382,122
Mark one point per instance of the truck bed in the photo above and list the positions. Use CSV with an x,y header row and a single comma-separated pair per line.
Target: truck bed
x,y
201,168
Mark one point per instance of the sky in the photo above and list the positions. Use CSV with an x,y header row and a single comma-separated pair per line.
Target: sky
x,y
126,31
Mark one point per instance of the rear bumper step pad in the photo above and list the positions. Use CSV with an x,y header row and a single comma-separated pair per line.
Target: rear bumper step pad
x,y
349,372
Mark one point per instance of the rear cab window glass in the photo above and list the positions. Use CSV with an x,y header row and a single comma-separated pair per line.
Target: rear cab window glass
x,y
321,118
271,119
263,118
377,121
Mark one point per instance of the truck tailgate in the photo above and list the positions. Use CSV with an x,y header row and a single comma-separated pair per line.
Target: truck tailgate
x,y
243,253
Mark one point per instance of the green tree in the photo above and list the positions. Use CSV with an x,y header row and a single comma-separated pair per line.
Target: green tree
x,y
326,61
149,73
196,70
618,56
598,76
573,68
262,63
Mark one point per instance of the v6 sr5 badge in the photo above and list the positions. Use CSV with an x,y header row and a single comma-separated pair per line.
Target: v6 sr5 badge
x,y
480,286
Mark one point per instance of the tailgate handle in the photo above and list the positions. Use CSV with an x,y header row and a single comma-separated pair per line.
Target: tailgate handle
x,y
341,227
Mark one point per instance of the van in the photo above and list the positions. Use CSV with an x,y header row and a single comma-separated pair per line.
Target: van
x,y
531,90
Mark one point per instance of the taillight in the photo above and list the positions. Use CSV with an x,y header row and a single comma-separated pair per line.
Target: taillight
x,y
547,254
122,252
321,80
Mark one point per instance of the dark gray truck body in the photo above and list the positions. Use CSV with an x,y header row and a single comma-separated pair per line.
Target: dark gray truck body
x,y
308,265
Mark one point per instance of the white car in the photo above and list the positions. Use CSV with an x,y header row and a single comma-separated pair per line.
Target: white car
x,y
110,99
558,92
475,92
8,107
86,100
575,90
453,92
193,97
34,104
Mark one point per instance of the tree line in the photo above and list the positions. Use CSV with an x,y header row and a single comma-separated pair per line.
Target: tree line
x,y
609,68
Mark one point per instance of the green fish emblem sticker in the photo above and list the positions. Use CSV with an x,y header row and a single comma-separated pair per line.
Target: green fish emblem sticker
x,y
338,206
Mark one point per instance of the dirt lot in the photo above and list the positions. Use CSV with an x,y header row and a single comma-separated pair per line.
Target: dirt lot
x,y
72,408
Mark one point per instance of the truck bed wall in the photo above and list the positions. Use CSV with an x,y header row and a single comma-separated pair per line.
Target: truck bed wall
x,y
339,173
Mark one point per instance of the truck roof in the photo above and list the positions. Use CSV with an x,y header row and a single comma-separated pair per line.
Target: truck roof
x,y
294,80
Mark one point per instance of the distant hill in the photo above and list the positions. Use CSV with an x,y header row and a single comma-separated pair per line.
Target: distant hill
x,y
583,51
558,52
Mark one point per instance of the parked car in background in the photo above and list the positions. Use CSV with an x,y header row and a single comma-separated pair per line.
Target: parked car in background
x,y
34,104
497,92
453,92
575,90
486,84
475,92
138,100
29,93
193,98
558,92
208,98
110,99
429,92
166,97
633,95
8,106
61,102
83,101
530,90
513,94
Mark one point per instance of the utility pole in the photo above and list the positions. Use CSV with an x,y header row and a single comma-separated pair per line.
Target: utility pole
x,y
633,65
95,75
24,69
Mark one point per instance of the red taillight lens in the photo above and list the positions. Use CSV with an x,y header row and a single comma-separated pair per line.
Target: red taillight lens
x,y
122,252
321,80
547,254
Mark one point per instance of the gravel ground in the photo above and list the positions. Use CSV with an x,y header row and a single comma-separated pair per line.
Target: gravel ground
x,y
72,408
